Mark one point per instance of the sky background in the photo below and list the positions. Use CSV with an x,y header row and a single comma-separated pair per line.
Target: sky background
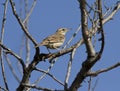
x,y
47,16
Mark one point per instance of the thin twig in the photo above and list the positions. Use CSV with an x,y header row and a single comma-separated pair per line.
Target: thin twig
x,y
27,39
14,54
47,71
69,69
110,16
114,11
1,88
72,37
11,68
103,70
1,41
21,23
89,83
20,54
28,15
3,74
3,20
96,82
49,75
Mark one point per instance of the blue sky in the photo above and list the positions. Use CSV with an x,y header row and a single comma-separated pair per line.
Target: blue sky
x,y
47,16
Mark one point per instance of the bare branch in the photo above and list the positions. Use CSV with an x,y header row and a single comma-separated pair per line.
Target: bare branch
x,y
69,69
38,88
96,82
103,70
46,72
1,88
93,57
49,75
65,51
4,20
86,66
15,55
21,24
85,32
114,11
1,41
101,26
27,39
3,74
91,60
20,54
28,15
89,83
11,68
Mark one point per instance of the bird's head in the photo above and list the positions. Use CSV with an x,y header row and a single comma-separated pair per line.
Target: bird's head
x,y
62,30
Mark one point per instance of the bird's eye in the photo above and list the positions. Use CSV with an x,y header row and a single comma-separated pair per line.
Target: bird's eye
x,y
63,29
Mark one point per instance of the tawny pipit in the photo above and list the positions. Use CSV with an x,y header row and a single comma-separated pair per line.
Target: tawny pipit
x,y
56,40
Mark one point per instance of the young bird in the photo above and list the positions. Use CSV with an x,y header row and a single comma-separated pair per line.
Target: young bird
x,y
56,40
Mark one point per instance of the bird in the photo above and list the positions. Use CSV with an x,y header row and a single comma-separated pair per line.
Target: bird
x,y
55,40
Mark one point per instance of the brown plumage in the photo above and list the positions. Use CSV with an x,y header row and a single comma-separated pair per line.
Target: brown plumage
x,y
54,41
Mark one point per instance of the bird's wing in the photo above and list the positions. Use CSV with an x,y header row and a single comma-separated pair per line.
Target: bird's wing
x,y
52,39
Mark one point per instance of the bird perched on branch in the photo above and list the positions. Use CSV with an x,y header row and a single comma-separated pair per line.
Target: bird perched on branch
x,y
56,40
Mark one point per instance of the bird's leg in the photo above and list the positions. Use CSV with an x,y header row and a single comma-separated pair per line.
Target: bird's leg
x,y
48,50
